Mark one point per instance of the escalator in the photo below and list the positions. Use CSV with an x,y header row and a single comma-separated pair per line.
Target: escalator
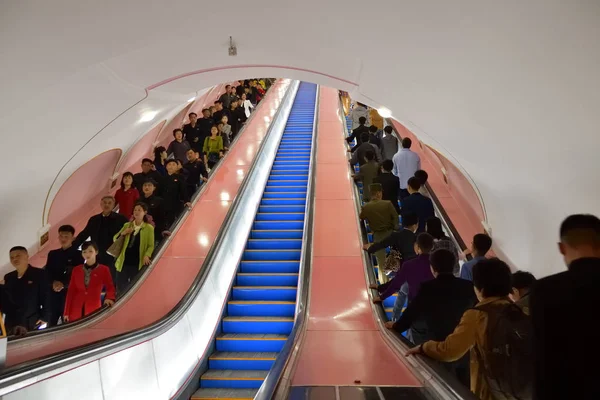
x,y
260,313
388,304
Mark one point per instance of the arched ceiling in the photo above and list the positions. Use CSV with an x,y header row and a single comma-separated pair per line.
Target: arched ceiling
x,y
509,90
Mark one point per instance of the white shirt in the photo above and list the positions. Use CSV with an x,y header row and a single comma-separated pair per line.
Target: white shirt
x,y
247,107
406,163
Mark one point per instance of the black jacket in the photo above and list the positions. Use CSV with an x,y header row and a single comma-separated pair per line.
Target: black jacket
x,y
239,115
356,135
102,230
195,170
440,303
61,262
195,135
391,188
235,121
403,241
174,192
26,300
219,114
157,210
140,178
420,205
564,309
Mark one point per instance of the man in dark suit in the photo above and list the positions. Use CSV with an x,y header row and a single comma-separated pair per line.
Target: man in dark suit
x,y
25,295
147,173
417,204
59,264
390,184
402,241
563,307
101,228
155,209
358,131
438,307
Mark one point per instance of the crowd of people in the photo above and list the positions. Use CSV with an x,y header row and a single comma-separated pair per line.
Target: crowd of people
x,y
99,264
503,334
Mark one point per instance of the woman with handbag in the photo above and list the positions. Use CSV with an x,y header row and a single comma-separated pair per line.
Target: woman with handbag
x,y
213,147
136,239
86,284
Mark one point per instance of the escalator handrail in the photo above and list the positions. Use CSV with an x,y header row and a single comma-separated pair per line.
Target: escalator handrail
x,y
275,375
33,371
103,312
439,382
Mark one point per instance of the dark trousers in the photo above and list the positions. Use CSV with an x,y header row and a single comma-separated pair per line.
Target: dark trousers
x,y
172,212
57,306
213,161
126,277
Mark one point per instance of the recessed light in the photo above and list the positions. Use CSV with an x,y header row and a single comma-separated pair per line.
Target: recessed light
x,y
148,116
384,112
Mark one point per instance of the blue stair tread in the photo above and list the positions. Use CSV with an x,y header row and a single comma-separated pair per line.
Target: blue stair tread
x,y
265,287
264,302
267,273
251,336
239,355
232,374
215,394
270,240
284,213
290,187
259,319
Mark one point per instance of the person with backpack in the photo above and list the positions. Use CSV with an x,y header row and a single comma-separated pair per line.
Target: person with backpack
x,y
498,334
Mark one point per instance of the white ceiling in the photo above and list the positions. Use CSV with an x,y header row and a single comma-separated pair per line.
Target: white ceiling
x,y
509,90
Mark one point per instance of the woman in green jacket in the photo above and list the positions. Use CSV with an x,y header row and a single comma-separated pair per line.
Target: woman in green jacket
x,y
213,147
137,247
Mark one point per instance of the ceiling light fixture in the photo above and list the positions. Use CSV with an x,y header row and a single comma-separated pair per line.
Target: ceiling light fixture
x,y
384,112
148,116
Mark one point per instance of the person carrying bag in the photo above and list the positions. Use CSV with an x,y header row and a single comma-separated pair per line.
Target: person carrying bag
x,y
136,240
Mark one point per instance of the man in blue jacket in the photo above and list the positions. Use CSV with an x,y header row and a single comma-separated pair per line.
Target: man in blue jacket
x,y
417,204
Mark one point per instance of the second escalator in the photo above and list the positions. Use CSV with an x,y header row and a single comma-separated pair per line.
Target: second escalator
x,y
260,313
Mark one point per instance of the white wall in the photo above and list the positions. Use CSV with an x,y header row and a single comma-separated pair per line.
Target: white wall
x,y
509,89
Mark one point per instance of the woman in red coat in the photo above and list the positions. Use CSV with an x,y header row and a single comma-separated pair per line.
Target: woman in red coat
x,y
127,195
85,288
